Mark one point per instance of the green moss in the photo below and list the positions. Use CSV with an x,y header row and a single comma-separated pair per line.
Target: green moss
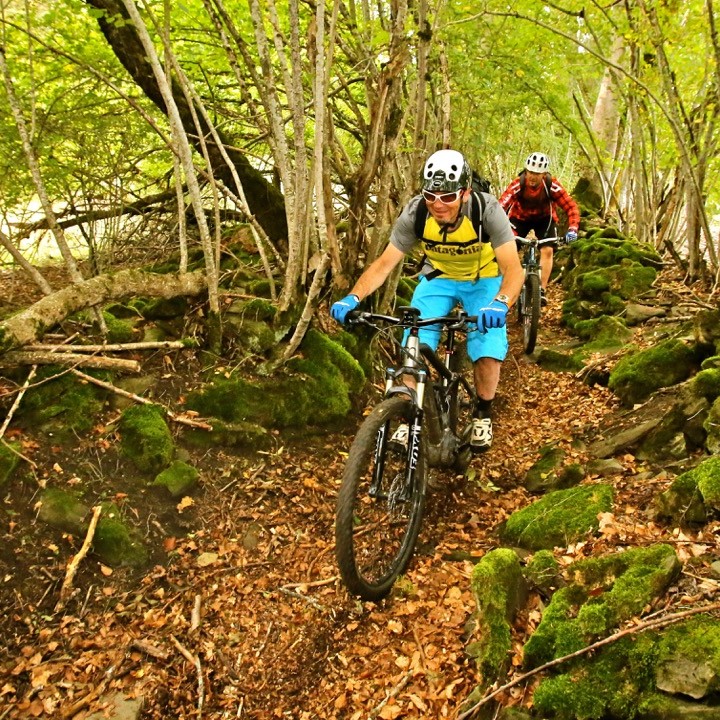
x,y
604,333
179,479
63,404
118,331
116,543
637,376
608,687
496,583
543,571
707,383
558,518
9,460
316,388
605,592
146,438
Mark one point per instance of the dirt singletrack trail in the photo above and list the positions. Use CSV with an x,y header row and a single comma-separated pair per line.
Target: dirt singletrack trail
x,y
249,618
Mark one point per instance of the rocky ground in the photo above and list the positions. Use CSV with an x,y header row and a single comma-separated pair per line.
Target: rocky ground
x,y
243,614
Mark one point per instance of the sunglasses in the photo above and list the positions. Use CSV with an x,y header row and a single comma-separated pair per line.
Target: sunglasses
x,y
445,198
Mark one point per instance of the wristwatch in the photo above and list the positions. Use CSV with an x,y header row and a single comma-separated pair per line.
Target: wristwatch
x,y
503,299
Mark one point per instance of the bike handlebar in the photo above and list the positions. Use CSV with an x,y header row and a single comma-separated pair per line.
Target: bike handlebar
x,y
538,242
410,318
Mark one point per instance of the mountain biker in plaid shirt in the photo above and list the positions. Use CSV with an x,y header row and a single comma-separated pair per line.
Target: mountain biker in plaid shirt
x,y
530,201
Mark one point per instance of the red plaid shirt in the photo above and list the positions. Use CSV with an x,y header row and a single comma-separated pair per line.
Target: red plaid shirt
x,y
526,203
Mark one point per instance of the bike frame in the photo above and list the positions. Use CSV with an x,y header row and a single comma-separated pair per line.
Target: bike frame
x,y
417,359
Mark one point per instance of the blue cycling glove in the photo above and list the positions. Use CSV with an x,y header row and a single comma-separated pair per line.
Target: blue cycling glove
x,y
493,316
570,237
341,308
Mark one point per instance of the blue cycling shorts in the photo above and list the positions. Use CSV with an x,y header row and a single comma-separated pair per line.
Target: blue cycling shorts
x,y
439,296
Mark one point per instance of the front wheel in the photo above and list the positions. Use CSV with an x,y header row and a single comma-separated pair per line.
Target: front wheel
x,y
380,503
462,404
531,312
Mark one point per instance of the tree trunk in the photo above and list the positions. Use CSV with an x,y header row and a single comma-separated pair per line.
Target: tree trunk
x,y
264,199
30,324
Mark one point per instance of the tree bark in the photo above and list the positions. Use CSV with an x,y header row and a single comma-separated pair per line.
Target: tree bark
x,y
29,325
264,199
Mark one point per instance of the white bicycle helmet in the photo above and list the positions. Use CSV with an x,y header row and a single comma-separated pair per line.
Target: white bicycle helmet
x,y
446,171
537,162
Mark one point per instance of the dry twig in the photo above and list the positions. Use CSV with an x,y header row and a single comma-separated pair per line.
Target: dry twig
x,y
173,416
193,660
19,397
77,558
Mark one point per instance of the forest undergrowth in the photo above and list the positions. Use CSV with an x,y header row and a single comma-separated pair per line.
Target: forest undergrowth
x,y
243,614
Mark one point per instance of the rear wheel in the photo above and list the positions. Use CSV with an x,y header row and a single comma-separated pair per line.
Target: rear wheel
x,y
380,504
531,312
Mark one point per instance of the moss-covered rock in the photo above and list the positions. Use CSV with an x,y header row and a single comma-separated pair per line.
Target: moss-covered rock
x,y
252,337
499,590
543,573
559,360
706,327
117,543
707,383
638,375
316,388
643,677
179,479
712,427
604,592
688,658
237,434
693,493
146,438
559,518
165,308
119,331
62,405
63,510
9,459
604,333
681,502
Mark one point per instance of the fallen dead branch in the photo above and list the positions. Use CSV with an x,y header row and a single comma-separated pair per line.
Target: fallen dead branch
x,y
184,420
193,660
195,617
149,649
640,627
392,694
77,559
116,347
21,357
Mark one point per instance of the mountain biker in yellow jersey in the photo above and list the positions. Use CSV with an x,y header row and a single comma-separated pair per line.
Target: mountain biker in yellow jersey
x,y
530,200
460,266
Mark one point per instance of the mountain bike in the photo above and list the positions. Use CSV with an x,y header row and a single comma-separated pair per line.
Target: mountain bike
x,y
529,300
381,500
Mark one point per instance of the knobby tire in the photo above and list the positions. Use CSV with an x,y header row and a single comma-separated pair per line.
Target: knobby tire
x,y
375,536
531,312
462,402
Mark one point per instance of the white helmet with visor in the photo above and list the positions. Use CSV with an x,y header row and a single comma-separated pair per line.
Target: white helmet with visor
x,y
537,163
446,171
